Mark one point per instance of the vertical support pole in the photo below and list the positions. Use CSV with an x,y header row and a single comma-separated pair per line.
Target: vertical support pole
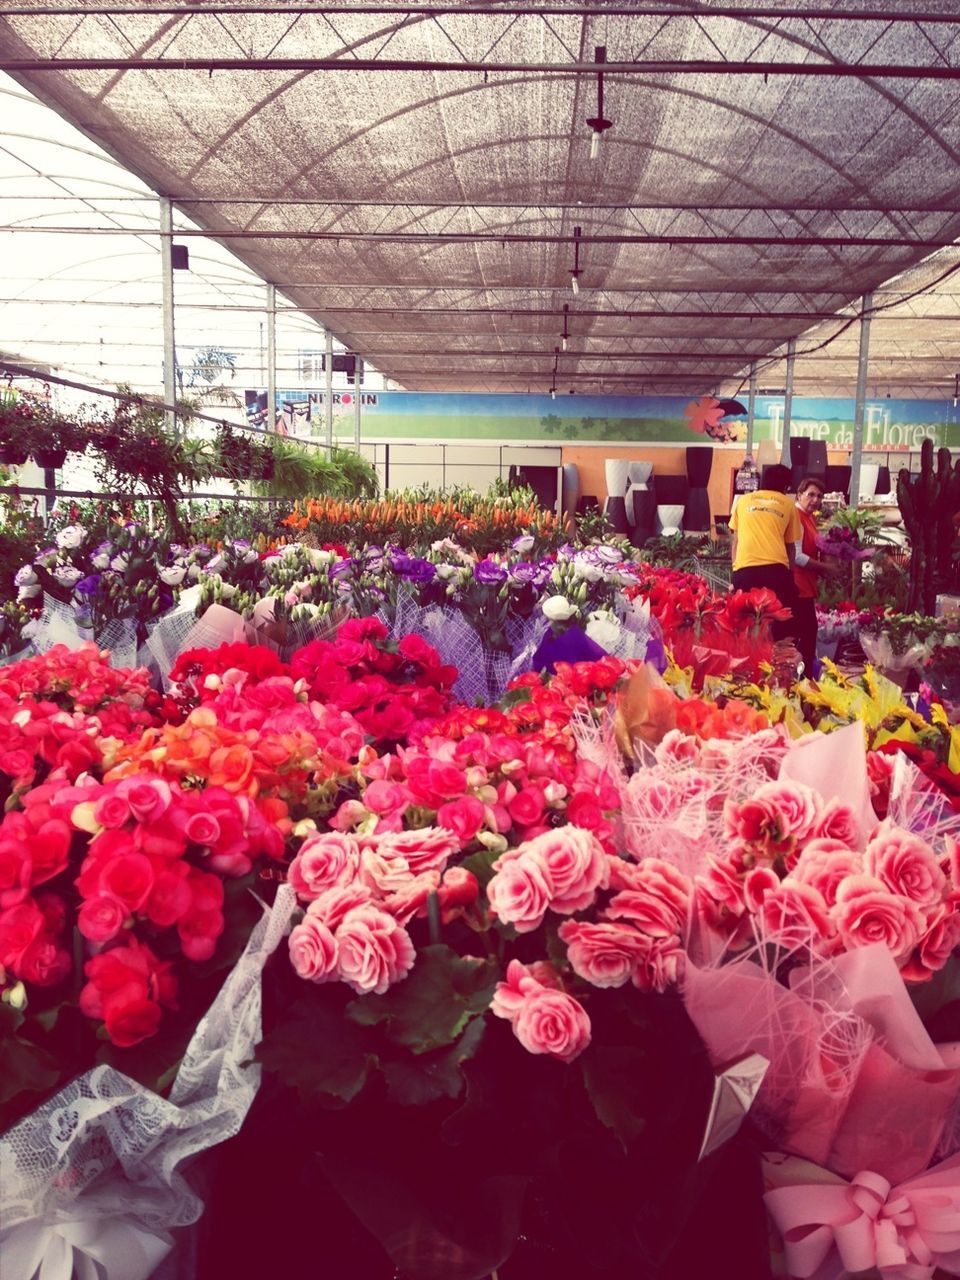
x,y
169,339
271,357
328,396
751,408
357,379
863,360
788,402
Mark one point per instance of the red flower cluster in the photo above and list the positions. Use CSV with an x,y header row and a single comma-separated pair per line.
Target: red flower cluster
x,y
155,862
197,674
127,987
388,688
79,680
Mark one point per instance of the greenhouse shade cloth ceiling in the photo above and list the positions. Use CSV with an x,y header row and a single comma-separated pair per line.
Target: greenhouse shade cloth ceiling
x,y
445,189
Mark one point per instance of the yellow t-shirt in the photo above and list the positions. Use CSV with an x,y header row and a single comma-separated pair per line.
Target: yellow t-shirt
x,y
764,522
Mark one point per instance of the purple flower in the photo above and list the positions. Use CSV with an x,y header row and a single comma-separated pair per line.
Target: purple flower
x,y
417,570
489,572
524,572
88,586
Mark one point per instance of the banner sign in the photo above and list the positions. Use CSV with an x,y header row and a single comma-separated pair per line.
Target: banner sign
x,y
889,425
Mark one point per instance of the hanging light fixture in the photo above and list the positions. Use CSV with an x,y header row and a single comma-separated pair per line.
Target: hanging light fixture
x,y
597,123
575,269
553,384
565,335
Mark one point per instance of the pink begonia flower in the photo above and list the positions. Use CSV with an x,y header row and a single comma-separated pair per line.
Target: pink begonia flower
x,y
325,860
374,951
757,883
424,849
386,798
333,904
464,817
544,1019
519,892
410,899
866,911
605,955
148,798
350,814
660,964
824,865
313,951
677,749
796,913
101,918
906,865
837,822
576,864
799,806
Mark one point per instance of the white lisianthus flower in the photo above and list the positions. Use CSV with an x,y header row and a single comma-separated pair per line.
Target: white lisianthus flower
x,y
608,555
25,577
69,538
558,608
28,593
120,564
101,557
603,629
586,571
227,590
173,574
68,575
216,563
446,571
193,573
318,557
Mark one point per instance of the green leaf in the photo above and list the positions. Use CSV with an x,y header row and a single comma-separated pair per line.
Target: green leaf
x,y
481,864
25,1068
413,1081
616,1080
513,697
316,1050
431,1006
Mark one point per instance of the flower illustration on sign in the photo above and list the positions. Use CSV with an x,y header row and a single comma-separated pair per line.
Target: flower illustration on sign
x,y
705,416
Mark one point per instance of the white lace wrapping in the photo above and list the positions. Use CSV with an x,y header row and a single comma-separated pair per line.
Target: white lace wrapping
x,y
91,1179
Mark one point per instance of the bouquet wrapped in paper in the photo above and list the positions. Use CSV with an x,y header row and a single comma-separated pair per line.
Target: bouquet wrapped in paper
x,y
92,1181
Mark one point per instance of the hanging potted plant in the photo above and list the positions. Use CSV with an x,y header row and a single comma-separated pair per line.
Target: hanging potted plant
x,y
27,424
235,451
63,437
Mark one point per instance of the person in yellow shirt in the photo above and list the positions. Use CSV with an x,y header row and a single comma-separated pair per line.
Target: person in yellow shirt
x,y
764,527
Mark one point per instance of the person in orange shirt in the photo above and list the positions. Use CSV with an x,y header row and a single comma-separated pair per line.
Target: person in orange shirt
x,y
765,527
807,569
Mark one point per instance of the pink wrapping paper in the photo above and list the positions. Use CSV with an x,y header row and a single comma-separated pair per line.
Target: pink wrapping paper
x,y
854,1080
835,764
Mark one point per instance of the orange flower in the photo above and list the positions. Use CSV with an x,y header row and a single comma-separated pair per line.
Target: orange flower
x,y
232,768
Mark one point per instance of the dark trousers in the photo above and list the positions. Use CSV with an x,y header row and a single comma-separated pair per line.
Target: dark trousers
x,y
805,614
779,580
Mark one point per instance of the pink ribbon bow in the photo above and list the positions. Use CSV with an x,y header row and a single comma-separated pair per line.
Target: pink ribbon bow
x,y
906,1232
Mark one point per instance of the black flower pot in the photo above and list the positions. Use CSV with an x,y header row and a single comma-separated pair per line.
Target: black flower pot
x,y
13,456
696,514
49,457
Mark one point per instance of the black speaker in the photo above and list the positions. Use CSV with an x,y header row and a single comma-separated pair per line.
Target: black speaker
x,y
670,490
817,458
837,480
800,450
883,481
